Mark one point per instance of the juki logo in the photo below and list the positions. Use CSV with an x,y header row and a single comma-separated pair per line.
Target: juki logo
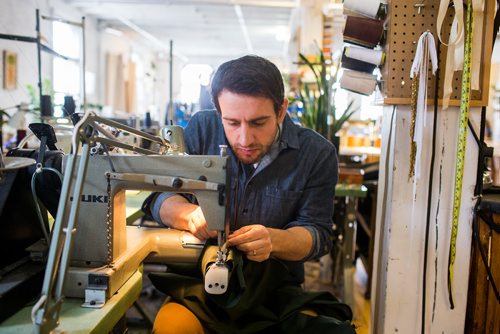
x,y
93,198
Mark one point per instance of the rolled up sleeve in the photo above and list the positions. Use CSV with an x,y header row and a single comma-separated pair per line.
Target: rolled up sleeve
x,y
156,205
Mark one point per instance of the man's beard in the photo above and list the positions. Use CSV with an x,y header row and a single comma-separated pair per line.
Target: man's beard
x,y
262,151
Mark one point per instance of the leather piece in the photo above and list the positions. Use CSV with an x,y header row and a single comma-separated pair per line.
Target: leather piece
x,y
363,31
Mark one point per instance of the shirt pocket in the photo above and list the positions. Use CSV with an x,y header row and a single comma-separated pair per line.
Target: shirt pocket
x,y
279,207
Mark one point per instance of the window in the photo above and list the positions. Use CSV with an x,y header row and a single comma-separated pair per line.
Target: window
x,y
193,76
66,73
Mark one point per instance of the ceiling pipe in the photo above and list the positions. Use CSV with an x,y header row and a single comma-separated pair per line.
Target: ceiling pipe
x,y
150,37
244,29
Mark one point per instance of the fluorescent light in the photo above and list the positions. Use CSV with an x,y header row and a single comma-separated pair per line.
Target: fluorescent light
x,y
282,35
113,31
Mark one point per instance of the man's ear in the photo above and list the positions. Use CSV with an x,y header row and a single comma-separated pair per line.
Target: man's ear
x,y
282,112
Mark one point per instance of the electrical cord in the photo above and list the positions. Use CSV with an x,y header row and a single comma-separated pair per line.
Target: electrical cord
x,y
39,170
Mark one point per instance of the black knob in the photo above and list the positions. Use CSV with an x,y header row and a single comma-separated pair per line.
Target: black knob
x,y
177,183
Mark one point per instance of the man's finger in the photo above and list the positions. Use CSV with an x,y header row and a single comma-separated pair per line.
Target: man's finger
x,y
241,231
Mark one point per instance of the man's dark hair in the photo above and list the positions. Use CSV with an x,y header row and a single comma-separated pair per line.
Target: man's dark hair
x,y
249,75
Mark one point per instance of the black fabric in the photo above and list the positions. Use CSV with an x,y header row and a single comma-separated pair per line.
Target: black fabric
x,y
257,301
356,65
48,184
7,183
19,222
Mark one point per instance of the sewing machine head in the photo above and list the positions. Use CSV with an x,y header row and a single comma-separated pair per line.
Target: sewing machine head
x,y
102,218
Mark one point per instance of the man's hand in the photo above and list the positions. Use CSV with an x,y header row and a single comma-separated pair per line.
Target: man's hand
x,y
254,241
197,225
259,242
178,213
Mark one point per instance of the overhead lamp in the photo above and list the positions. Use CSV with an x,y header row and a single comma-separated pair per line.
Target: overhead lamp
x,y
113,31
282,35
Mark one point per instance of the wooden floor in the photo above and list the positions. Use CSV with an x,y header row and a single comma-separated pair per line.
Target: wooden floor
x,y
361,304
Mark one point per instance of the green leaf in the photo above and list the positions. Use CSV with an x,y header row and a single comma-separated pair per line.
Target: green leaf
x,y
317,109
339,122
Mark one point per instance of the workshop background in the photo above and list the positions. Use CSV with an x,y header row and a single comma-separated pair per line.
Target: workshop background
x,y
404,202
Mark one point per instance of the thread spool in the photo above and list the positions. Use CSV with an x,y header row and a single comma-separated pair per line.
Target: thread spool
x,y
69,105
358,82
148,128
46,109
370,8
147,120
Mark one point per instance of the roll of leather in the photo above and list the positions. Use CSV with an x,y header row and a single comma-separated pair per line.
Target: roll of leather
x,y
361,59
369,8
375,57
358,82
356,65
363,31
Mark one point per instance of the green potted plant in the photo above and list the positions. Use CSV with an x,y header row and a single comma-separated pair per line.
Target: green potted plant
x,y
319,110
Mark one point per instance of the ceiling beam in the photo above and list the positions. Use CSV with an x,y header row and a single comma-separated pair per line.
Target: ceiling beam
x,y
244,29
150,37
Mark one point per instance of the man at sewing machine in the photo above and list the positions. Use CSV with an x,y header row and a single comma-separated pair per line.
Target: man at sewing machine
x,y
282,192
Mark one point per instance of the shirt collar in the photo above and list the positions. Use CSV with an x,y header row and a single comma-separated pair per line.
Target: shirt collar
x,y
289,137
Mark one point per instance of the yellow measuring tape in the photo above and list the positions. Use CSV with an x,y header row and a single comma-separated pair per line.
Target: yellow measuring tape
x,y
462,139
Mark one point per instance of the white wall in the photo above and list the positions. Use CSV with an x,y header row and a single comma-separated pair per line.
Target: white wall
x,y
19,18
311,29
399,241
152,71
152,75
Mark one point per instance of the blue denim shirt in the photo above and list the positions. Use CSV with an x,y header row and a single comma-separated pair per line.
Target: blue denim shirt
x,y
293,185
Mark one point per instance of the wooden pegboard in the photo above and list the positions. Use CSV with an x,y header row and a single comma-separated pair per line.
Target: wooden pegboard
x,y
405,25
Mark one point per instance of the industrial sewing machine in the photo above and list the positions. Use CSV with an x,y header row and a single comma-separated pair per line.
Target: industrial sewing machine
x,y
92,252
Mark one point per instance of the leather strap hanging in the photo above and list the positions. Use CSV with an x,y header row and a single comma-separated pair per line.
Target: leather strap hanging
x,y
477,30
454,55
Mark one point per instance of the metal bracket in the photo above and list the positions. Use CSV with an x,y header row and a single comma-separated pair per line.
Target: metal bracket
x,y
95,293
95,297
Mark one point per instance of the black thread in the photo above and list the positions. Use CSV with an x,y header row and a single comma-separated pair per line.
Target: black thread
x,y
429,192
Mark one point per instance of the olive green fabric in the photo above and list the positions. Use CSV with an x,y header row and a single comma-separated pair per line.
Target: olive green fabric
x,y
257,300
